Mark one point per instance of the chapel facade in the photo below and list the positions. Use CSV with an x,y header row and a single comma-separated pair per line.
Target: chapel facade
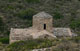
x,y
43,21
42,27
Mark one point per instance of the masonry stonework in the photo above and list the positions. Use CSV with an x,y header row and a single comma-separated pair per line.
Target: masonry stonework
x,y
40,21
42,27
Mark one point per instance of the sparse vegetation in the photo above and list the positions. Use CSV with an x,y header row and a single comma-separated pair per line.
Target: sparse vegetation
x,y
26,14
1,24
76,39
4,40
57,15
75,24
32,1
67,46
30,44
18,13
60,44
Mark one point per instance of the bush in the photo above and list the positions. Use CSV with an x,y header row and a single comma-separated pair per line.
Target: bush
x,y
66,46
11,0
1,46
30,44
4,40
33,1
7,33
75,24
58,15
76,39
26,14
1,24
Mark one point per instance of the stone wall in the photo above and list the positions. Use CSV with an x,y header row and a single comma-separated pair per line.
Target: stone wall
x,y
62,32
18,35
39,22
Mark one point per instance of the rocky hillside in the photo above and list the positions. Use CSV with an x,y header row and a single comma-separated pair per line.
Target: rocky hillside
x,y
18,13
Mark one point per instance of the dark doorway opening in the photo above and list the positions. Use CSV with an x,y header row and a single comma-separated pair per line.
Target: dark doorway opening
x,y
44,26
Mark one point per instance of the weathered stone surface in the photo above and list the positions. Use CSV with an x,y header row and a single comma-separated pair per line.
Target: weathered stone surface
x,y
19,34
66,32
42,28
22,34
43,15
43,18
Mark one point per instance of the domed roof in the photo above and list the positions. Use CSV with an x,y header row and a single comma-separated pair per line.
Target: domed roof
x,y
43,15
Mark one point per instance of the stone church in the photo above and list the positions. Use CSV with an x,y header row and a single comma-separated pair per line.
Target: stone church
x,y
42,28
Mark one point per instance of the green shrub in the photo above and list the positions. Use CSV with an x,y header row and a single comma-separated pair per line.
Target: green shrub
x,y
1,46
30,44
58,15
66,46
11,0
29,23
78,33
75,24
4,40
10,7
76,39
1,24
26,14
8,32
33,1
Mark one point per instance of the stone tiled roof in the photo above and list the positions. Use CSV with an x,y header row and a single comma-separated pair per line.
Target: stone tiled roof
x,y
43,15
56,31
62,32
27,33
24,32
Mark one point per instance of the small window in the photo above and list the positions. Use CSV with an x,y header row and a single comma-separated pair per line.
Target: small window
x,y
44,26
